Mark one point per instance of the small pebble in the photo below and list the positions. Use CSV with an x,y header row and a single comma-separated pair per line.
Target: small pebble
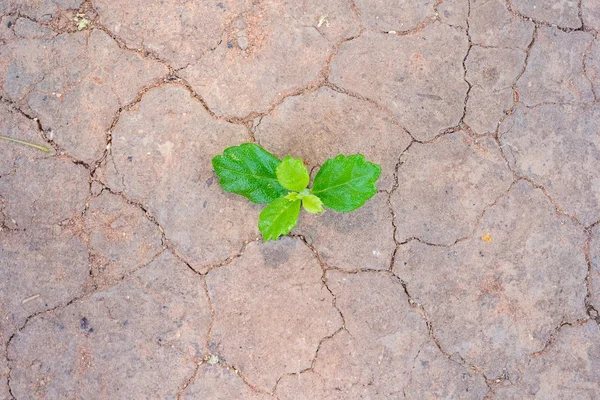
x,y
243,42
56,230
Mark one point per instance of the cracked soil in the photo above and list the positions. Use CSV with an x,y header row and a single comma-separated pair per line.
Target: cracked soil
x,y
126,272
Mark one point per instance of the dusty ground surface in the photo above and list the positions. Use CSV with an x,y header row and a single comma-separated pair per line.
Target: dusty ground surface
x,y
127,273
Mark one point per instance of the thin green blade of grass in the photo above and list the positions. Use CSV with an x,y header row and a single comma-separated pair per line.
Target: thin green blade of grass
x,y
37,146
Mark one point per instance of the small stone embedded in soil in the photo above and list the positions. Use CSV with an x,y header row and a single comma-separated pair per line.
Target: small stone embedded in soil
x,y
242,42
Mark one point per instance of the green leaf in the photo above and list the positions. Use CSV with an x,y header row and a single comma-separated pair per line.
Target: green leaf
x,y
312,204
293,196
249,170
346,183
292,174
278,218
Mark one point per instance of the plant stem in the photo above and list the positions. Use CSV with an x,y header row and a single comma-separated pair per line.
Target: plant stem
x,y
37,146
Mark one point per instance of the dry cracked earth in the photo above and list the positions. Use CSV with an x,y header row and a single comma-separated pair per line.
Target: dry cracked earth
x,y
127,273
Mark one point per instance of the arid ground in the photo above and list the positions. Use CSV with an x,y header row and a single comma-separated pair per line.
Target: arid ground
x,y
126,272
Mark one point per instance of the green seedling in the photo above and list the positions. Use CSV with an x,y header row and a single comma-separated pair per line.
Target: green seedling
x,y
343,184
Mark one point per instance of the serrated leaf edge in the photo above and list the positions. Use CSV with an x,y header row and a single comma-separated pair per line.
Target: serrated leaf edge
x,y
227,154
346,182
278,173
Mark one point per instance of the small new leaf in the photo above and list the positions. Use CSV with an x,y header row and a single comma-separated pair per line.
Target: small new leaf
x,y
312,204
293,196
249,170
346,183
292,174
278,218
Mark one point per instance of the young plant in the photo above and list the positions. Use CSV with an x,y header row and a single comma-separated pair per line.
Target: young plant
x,y
343,184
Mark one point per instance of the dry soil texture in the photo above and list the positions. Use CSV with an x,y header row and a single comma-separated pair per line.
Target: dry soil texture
x,y
126,272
